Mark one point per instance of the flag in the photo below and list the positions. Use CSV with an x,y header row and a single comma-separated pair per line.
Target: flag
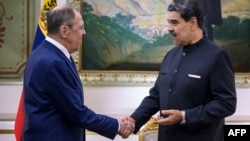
x,y
41,32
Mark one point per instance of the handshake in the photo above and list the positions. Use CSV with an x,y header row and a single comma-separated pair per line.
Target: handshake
x,y
127,126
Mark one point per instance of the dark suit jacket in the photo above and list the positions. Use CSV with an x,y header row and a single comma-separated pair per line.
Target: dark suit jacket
x,y
198,79
54,105
212,11
212,15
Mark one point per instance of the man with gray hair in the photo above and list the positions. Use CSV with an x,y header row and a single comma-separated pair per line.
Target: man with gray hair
x,y
53,93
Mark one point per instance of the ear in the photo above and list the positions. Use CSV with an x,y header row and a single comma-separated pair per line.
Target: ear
x,y
194,23
64,31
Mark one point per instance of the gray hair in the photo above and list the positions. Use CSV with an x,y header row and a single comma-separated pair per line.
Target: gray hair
x,y
59,16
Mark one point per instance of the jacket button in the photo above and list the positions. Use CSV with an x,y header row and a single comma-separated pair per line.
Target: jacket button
x,y
170,90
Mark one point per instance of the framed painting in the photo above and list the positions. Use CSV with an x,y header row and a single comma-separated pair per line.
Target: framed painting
x,y
127,40
14,38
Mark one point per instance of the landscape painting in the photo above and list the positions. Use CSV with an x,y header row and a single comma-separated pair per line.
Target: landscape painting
x,y
131,35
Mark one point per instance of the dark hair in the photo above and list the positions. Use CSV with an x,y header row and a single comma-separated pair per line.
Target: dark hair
x,y
58,17
187,10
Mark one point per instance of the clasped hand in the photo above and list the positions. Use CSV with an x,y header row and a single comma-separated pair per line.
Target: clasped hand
x,y
127,126
172,117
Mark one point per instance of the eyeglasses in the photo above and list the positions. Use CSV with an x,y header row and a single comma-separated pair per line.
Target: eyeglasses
x,y
70,26
82,28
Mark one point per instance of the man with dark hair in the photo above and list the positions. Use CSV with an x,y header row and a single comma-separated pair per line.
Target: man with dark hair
x,y
53,100
195,88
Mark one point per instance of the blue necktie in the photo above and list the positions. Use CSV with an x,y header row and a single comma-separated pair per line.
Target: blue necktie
x,y
73,64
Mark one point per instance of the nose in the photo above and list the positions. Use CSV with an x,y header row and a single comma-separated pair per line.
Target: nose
x,y
83,31
170,27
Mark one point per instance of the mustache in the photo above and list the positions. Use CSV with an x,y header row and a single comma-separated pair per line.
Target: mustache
x,y
172,33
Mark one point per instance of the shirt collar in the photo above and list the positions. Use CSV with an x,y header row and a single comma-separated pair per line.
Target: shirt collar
x,y
59,46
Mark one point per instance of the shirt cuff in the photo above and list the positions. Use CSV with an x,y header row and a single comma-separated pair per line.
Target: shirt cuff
x,y
118,126
183,120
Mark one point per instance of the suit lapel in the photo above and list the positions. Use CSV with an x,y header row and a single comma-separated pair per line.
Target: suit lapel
x,y
71,63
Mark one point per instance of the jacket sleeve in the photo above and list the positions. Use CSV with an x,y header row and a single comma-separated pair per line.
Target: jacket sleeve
x,y
148,107
67,96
